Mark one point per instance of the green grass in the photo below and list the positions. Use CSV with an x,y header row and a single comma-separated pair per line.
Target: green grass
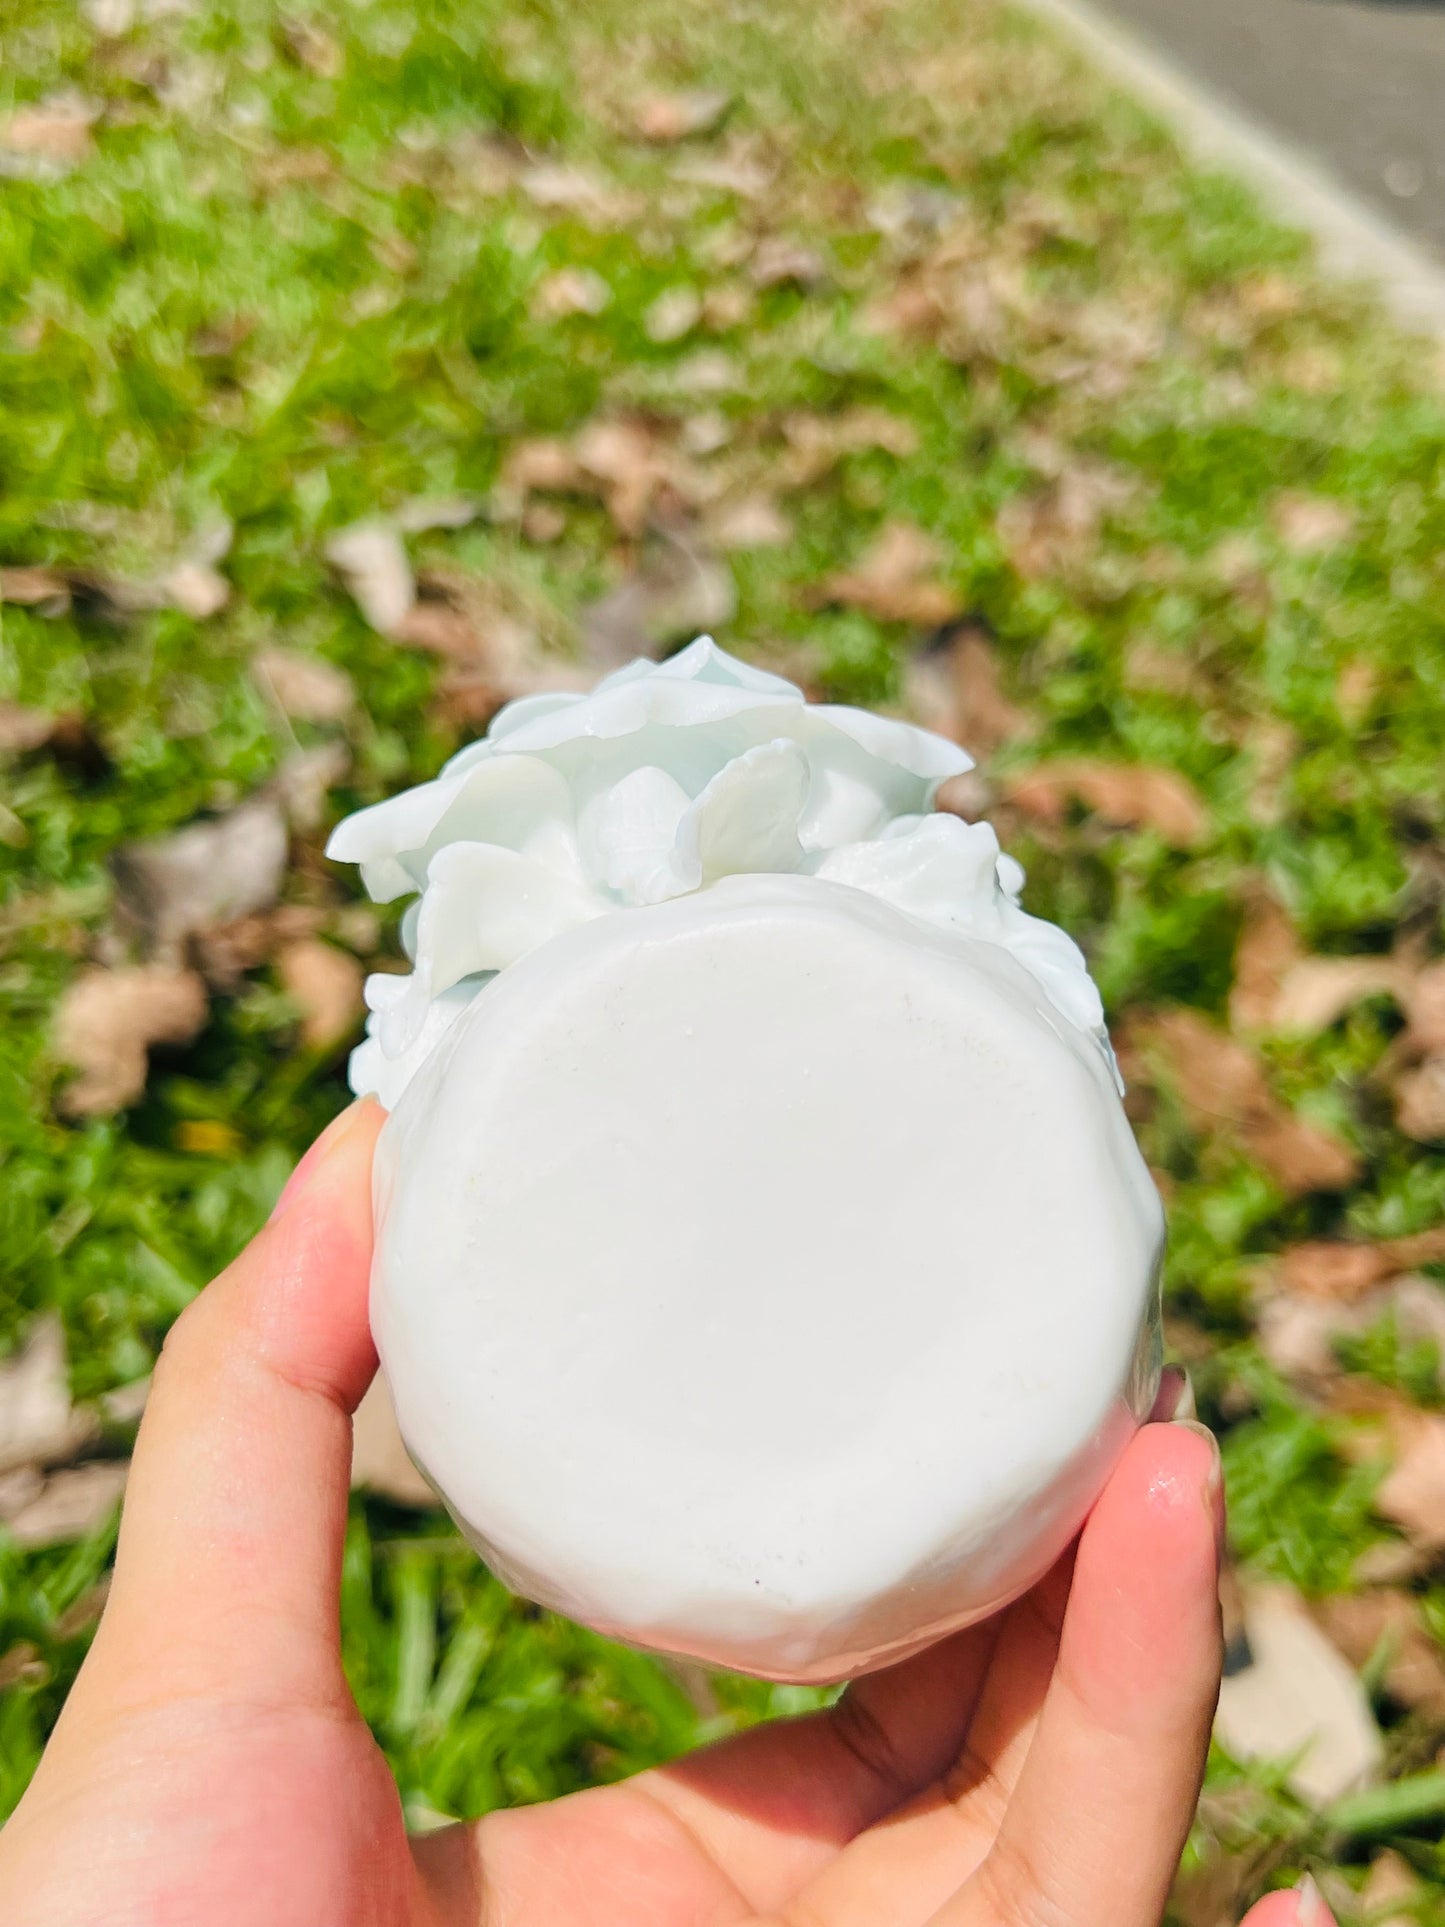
x,y
291,298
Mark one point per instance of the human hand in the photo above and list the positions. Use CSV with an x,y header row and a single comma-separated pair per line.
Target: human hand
x,y
211,1766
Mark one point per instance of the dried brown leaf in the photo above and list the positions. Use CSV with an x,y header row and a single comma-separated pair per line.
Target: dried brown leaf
x,y
666,119
1425,1011
1412,1493
1319,990
197,589
1420,1101
211,872
779,262
676,592
69,1504
1311,524
569,291
307,688
674,314
1360,1623
1128,795
558,188
38,1424
1222,1086
107,1020
56,130
380,1461
894,579
1391,1892
325,985
312,47
423,513
33,588
371,559
23,729
817,443
1268,949
748,522
1056,529
1298,1697
955,688
226,951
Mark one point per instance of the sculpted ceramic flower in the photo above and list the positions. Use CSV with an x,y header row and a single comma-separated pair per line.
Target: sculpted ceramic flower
x,y
765,1269
666,778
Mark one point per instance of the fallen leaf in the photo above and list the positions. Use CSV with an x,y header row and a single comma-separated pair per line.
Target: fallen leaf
x,y
1299,1156
56,129
1222,1086
125,1404
666,119
1267,950
70,1504
422,513
1311,524
558,188
307,688
569,291
1298,1334
380,1461
311,46
460,617
675,313
894,579
1317,991
624,462
1425,1011
196,589
676,592
226,951
1298,1696
817,443
727,308
32,588
543,522
955,688
745,522
1360,1623
210,872
38,1424
107,1020
371,559
779,262
1127,795
739,171
1412,1493
111,19
23,729
1056,529
1420,1101
1391,1893
304,781
325,985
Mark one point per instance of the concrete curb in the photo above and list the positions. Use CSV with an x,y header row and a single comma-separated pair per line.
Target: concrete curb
x,y
1354,241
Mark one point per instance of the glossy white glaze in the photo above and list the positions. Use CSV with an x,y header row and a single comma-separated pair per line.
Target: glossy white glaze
x,y
765,1267
666,778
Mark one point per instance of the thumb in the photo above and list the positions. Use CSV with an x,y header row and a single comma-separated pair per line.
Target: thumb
x,y
1301,1906
227,1575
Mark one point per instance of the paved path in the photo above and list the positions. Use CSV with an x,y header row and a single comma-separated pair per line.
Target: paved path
x,y
1358,85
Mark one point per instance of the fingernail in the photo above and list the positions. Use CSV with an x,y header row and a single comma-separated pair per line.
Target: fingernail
x,y
1310,1908
1213,1490
336,1132
1175,1397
